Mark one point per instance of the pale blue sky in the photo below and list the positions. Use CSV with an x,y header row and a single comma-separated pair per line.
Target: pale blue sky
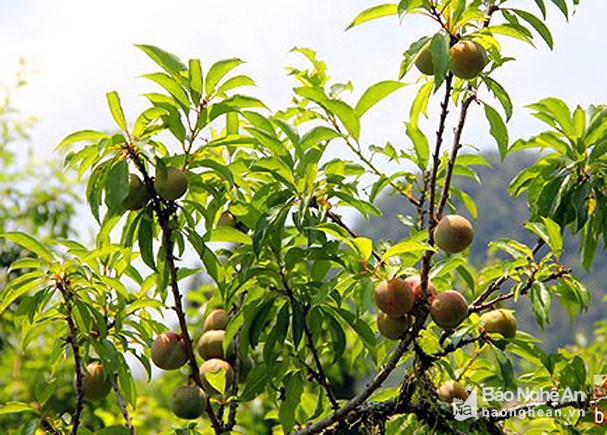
x,y
82,49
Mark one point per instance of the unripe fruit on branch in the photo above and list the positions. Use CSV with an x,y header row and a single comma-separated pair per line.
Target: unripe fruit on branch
x,y
449,309
227,219
138,195
416,285
210,345
173,185
453,233
394,297
452,390
215,365
188,402
96,383
216,320
424,62
499,321
393,328
168,351
467,59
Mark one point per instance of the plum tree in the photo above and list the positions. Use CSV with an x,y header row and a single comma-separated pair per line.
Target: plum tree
x,y
449,309
499,321
95,383
168,351
216,320
188,402
467,59
171,185
215,365
138,195
210,345
424,62
297,280
393,328
451,390
453,234
394,297
415,283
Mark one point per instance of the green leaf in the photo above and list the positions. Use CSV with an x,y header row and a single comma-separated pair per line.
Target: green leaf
x,y
363,246
256,382
117,185
374,13
406,247
235,82
498,130
555,238
410,55
17,408
562,5
537,24
541,299
196,80
217,379
505,366
439,47
31,244
420,104
94,187
19,286
346,115
172,87
293,391
228,234
81,136
146,240
277,335
376,93
217,71
501,95
297,322
167,61
420,145
113,101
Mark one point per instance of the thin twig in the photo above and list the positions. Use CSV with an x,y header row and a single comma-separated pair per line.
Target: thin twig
x,y
122,405
523,291
498,282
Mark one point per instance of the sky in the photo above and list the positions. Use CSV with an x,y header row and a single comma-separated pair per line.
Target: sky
x,y
81,49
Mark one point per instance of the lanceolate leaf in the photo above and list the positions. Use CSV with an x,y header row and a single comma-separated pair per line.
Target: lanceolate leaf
x,y
376,93
498,130
31,244
167,61
373,13
116,109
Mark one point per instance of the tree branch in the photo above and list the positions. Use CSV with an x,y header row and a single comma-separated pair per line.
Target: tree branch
x,y
122,405
165,211
319,373
62,284
554,275
498,282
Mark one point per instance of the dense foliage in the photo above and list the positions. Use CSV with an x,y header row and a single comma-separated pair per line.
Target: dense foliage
x,y
210,172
